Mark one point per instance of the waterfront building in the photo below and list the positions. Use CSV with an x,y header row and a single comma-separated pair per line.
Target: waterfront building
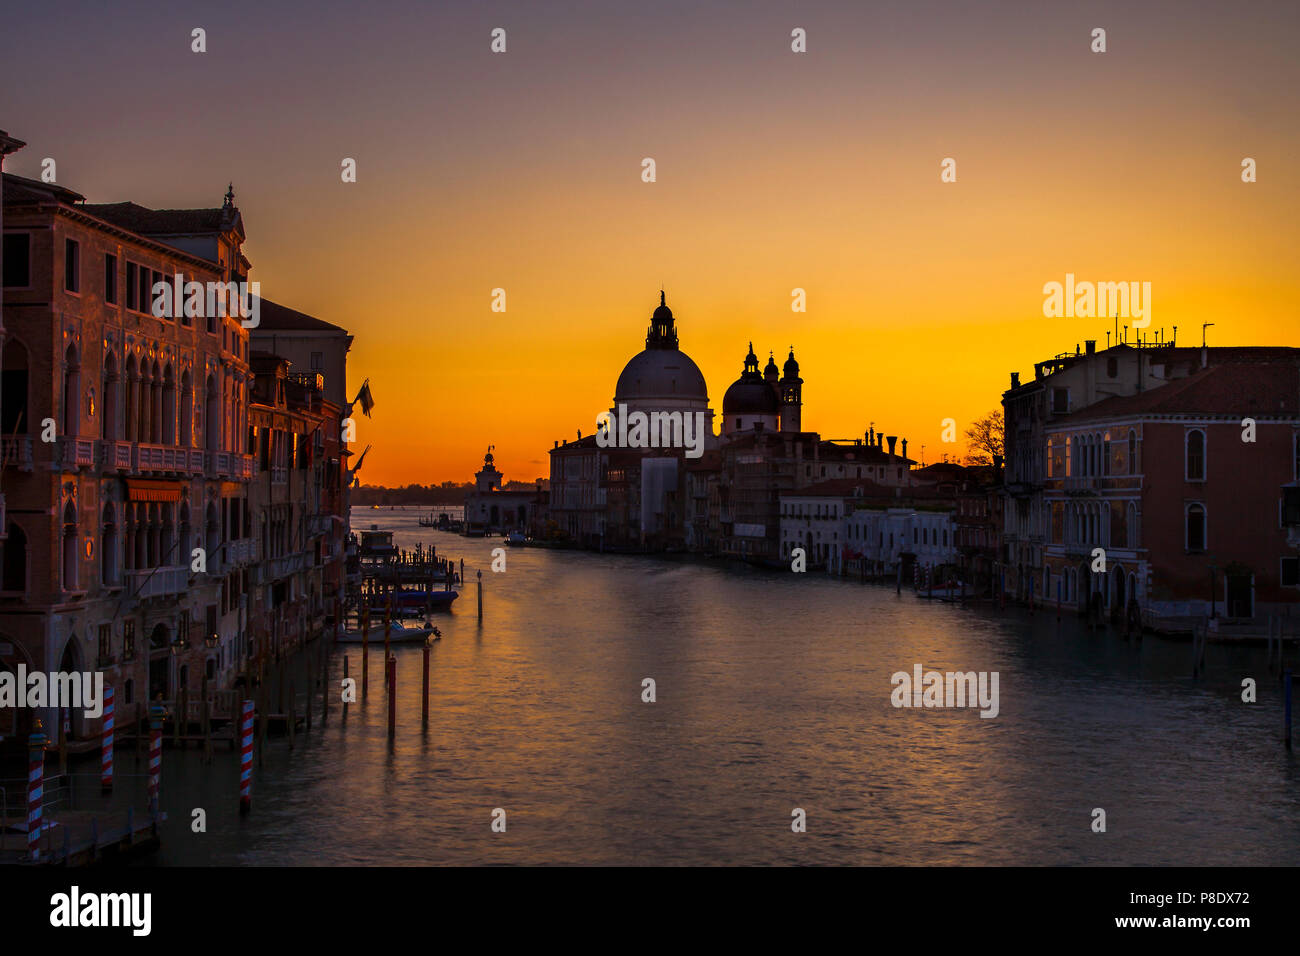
x,y
1189,503
123,448
858,526
490,509
169,503
1066,385
296,579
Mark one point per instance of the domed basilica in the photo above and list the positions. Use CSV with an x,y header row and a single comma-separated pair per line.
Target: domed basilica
x,y
663,378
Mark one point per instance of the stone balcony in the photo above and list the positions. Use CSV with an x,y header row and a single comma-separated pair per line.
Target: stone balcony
x,y
158,582
77,453
16,453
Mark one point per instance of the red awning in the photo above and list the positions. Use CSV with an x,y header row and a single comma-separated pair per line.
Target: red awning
x,y
143,489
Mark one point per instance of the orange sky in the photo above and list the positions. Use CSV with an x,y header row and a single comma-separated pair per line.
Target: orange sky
x,y
775,170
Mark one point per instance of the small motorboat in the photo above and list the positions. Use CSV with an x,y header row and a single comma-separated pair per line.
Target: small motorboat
x,y
397,634
516,539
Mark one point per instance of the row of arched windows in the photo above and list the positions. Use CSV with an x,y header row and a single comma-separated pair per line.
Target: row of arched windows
x,y
1095,455
145,401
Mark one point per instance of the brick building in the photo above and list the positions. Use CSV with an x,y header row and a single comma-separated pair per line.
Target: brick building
x,y
171,504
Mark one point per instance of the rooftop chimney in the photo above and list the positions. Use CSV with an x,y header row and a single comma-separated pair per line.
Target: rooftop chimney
x,y
1015,379
1091,345
893,440
904,447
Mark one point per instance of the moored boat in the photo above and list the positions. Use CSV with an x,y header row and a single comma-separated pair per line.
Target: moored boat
x,y
398,633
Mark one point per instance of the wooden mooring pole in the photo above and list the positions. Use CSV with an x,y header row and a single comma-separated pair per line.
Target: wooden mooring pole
x,y
1287,680
324,687
365,653
392,697
480,597
424,698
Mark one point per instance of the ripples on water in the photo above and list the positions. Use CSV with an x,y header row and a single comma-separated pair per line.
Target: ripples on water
x,y
773,693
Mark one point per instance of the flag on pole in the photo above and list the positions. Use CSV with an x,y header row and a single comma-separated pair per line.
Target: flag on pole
x,y
365,398
352,472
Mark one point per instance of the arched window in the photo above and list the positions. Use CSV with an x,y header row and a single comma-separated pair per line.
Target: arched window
x,y
108,420
213,537
1132,452
1131,524
13,561
14,417
1195,455
185,438
212,420
108,548
71,393
130,402
169,407
1196,531
70,556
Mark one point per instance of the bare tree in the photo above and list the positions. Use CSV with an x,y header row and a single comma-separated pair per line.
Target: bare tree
x,y
984,438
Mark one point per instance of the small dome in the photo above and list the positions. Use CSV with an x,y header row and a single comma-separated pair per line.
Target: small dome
x,y
663,313
770,370
749,394
791,366
750,398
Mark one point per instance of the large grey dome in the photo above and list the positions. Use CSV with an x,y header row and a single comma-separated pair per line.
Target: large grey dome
x,y
661,371
660,374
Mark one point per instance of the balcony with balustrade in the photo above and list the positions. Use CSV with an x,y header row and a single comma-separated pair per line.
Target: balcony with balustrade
x,y
158,582
16,452
77,453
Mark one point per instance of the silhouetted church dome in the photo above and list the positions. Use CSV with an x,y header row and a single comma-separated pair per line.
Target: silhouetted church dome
x,y
661,371
750,394
750,398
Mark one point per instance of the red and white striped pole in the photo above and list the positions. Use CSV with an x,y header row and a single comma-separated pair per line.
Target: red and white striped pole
x,y
246,758
106,744
36,745
156,714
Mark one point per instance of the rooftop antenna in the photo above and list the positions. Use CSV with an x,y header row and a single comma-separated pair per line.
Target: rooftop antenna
x,y
922,456
1107,340
1174,340
1204,326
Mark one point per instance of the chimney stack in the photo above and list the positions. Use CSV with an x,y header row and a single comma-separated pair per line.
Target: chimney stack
x,y
893,440
904,447
1015,379
1091,345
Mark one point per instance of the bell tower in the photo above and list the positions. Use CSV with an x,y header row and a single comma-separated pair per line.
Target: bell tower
x,y
791,388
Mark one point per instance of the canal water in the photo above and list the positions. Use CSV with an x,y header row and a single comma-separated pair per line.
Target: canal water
x,y
773,693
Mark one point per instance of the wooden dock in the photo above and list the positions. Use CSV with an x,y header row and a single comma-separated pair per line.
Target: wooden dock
x,y
83,838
